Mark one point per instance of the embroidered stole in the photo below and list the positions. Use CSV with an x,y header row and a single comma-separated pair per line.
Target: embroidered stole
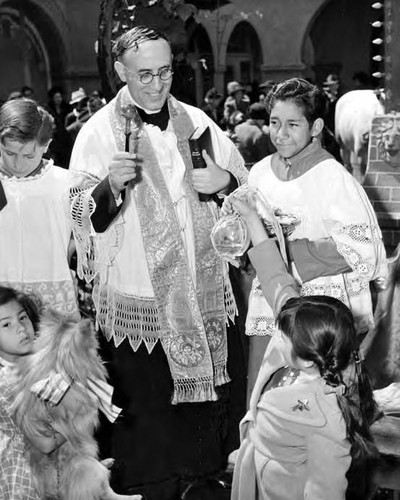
x,y
192,319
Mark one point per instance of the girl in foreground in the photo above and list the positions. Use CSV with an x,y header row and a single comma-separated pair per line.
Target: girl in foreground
x,y
312,403
19,318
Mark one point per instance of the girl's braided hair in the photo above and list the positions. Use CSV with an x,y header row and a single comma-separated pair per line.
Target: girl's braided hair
x,y
321,329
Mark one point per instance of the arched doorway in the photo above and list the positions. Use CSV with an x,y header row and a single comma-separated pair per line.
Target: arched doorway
x,y
30,50
339,41
200,57
244,55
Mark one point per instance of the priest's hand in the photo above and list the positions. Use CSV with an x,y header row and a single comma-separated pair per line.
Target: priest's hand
x,y
124,168
212,179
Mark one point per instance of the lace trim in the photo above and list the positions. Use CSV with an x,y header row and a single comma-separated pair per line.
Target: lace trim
x,y
261,326
126,316
356,285
82,208
335,290
136,318
364,236
362,233
354,293
355,260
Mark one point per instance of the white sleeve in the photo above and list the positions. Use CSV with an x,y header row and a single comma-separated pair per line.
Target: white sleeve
x,y
351,221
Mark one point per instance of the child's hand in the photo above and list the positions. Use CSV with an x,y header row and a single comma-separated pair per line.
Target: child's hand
x,y
244,208
247,211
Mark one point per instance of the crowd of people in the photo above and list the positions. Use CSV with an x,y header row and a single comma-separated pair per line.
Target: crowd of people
x,y
124,206
68,115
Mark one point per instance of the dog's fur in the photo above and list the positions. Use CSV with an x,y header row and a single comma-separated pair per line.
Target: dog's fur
x,y
72,471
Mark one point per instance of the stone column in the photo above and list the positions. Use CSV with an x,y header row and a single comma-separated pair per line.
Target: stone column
x,y
382,181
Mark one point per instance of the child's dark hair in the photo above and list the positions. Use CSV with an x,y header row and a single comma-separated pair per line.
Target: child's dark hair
x,y
303,93
23,120
31,305
321,329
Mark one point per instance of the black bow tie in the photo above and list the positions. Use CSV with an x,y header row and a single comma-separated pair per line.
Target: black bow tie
x,y
159,119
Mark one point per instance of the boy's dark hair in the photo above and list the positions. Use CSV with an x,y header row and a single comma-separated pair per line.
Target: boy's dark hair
x,y
303,93
30,304
23,120
134,37
321,329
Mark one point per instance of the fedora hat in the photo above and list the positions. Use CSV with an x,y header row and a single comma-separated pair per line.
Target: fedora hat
x,y
234,87
331,79
77,96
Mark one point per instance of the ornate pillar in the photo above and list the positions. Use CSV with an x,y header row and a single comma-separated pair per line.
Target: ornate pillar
x,y
382,181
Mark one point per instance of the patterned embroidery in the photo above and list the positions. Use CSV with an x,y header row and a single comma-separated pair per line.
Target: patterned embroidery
x,y
331,289
261,325
358,232
215,333
186,351
356,285
354,259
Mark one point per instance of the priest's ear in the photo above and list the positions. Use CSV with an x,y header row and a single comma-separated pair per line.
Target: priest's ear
x,y
317,127
121,70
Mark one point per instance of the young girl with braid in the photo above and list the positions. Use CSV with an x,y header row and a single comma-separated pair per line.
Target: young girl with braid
x,y
312,404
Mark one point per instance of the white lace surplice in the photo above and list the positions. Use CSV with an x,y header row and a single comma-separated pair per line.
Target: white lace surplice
x,y
124,291
330,203
35,233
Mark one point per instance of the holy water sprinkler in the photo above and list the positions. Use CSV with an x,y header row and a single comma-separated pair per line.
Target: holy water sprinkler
x,y
128,112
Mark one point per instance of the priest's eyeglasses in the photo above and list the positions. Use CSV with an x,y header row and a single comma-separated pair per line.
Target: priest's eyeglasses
x,y
147,77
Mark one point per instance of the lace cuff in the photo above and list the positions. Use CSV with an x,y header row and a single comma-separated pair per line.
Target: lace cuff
x,y
82,208
359,246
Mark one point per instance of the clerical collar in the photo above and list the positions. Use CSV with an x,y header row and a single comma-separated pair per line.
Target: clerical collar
x,y
305,160
159,118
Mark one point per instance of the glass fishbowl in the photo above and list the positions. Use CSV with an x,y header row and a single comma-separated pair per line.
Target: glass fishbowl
x,y
230,237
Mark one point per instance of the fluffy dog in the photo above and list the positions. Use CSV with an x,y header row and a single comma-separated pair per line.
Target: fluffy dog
x,y
65,364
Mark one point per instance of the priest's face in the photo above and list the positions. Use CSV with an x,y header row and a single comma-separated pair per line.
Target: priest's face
x,y
153,57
